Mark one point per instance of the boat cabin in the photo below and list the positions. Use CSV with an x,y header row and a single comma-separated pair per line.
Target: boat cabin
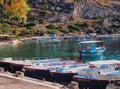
x,y
91,45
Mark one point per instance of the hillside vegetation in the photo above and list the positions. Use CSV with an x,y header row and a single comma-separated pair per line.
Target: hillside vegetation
x,y
39,17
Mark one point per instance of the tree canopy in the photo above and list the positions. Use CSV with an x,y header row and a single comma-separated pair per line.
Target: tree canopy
x,y
16,8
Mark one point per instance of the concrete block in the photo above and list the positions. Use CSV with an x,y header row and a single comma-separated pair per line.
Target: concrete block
x,y
20,73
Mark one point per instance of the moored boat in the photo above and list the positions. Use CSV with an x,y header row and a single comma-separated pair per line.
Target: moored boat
x,y
13,65
50,40
99,76
42,70
90,48
64,75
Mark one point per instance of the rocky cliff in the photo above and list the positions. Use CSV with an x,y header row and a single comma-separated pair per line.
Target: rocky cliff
x,y
71,10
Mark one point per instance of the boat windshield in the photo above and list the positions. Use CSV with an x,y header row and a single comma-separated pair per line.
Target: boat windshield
x,y
91,45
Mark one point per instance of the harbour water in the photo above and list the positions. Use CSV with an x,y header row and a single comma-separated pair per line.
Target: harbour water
x,y
66,48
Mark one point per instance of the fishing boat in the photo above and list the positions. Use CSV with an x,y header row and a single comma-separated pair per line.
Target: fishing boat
x,y
13,65
99,76
65,75
39,69
89,48
42,70
39,72
10,65
51,39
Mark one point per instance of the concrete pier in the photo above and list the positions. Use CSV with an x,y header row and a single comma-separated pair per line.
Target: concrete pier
x,y
8,81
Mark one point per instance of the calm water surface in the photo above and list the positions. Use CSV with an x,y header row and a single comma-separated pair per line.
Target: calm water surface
x,y
62,49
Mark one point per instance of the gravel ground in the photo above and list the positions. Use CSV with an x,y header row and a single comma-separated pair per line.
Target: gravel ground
x,y
9,83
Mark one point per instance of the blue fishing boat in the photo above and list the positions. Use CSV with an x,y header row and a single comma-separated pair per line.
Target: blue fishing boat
x,y
99,77
89,48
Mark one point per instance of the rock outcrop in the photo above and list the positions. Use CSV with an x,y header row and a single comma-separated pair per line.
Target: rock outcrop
x,y
51,10
56,11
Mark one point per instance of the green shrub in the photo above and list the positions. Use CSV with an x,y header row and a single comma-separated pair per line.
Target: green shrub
x,y
98,17
78,24
31,31
14,32
41,33
52,26
52,31
2,20
5,28
66,31
4,38
89,31
109,30
30,24
59,27
82,25
74,27
29,27
25,32
85,25
71,30
44,3
116,25
116,18
34,23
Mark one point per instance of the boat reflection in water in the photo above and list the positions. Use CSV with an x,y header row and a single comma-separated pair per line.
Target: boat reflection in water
x,y
93,58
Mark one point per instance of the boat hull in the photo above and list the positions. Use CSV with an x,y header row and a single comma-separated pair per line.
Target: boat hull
x,y
41,74
84,83
91,53
62,78
11,67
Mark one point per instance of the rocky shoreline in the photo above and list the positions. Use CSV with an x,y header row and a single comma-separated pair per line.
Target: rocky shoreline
x,y
66,36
